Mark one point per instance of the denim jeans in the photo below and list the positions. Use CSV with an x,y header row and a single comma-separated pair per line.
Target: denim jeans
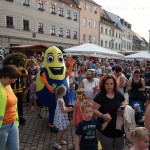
x,y
9,135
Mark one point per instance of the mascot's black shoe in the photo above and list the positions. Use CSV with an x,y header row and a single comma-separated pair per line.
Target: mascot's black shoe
x,y
53,128
22,121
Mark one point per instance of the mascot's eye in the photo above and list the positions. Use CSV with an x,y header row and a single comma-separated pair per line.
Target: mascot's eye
x,y
60,59
50,59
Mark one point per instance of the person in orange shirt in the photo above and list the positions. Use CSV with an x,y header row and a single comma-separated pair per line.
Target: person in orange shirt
x,y
9,132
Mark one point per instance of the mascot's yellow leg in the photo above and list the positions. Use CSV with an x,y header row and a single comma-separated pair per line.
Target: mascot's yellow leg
x,y
99,145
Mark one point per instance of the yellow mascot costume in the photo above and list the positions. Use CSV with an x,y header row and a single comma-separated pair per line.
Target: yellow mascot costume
x,y
52,74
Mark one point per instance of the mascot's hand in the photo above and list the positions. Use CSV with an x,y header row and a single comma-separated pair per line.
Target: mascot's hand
x,y
44,79
70,62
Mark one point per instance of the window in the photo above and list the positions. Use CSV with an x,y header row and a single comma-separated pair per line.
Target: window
x,y
84,22
90,39
91,9
112,32
40,28
116,46
84,6
10,0
105,43
75,16
9,22
26,2
90,23
112,45
95,40
41,5
53,9
95,10
68,14
119,35
75,34
95,24
116,34
53,30
109,44
106,31
119,46
101,43
26,25
84,38
109,32
101,29
68,33
61,12
60,32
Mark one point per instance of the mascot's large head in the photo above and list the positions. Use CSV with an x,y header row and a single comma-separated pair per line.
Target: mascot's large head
x,y
54,63
19,60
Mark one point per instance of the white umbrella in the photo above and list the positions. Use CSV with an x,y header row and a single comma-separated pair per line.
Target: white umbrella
x,y
93,50
139,55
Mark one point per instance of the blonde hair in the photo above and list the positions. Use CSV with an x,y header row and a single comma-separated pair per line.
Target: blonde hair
x,y
59,91
138,134
85,104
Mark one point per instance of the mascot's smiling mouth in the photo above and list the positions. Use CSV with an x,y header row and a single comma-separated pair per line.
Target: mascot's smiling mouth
x,y
57,70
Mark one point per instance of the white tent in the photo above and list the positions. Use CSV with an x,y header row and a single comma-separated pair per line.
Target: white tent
x,y
139,55
93,50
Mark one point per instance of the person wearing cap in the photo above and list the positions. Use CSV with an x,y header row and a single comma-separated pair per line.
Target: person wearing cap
x,y
90,84
136,87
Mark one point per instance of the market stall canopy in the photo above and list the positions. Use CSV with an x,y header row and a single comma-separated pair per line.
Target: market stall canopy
x,y
89,49
140,55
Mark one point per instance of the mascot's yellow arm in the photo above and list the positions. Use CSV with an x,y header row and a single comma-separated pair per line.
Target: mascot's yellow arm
x,y
70,62
49,87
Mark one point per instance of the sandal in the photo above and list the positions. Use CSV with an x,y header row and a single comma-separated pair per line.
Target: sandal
x,y
63,142
57,146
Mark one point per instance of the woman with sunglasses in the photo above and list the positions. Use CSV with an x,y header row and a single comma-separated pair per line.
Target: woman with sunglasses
x,y
106,107
9,133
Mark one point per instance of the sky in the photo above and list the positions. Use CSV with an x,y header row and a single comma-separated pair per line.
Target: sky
x,y
136,12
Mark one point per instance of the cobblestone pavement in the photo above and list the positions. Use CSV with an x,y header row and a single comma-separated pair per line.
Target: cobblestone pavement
x,y
36,135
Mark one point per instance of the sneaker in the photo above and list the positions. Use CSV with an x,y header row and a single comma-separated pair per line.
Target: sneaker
x,y
57,146
63,142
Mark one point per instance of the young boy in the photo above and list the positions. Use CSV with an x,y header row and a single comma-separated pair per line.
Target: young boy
x,y
71,98
85,135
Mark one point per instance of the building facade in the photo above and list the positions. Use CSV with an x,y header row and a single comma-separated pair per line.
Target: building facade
x,y
89,21
27,22
127,33
110,34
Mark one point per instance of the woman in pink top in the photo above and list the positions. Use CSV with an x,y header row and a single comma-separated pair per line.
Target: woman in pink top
x,y
77,114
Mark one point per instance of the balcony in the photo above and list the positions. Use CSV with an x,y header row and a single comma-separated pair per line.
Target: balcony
x,y
61,15
53,13
60,35
53,34
26,29
75,37
10,26
69,18
41,9
68,36
25,4
40,31
75,19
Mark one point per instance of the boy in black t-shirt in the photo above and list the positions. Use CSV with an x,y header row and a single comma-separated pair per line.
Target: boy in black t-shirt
x,y
85,135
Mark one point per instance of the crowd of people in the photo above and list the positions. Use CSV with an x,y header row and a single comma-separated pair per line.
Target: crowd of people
x,y
95,103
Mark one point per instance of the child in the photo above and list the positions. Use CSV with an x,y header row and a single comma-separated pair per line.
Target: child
x,y
77,114
32,89
61,117
85,135
140,137
71,98
138,115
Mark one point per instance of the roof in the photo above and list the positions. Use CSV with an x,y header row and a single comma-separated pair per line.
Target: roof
x,y
115,18
92,1
69,2
138,36
29,47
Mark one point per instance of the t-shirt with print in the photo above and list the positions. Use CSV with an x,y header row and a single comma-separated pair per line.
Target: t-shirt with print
x,y
110,106
88,131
